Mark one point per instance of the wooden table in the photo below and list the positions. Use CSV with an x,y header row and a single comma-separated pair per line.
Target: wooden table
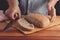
x,y
52,33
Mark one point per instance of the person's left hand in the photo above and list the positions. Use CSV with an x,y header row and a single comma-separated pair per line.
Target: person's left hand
x,y
51,11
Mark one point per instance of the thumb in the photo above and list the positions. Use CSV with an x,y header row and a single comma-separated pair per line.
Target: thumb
x,y
53,14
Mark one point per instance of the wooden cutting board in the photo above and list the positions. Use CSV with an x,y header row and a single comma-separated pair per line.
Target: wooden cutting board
x,y
39,32
52,24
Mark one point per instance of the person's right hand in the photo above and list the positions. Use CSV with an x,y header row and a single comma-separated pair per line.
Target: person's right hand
x,y
52,12
11,11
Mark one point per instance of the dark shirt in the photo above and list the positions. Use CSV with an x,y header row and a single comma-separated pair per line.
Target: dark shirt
x,y
33,6
58,7
3,5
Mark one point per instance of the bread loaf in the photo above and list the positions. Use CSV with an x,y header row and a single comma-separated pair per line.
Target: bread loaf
x,y
38,20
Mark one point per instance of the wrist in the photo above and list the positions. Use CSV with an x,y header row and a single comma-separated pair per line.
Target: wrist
x,y
52,2
13,6
12,3
51,5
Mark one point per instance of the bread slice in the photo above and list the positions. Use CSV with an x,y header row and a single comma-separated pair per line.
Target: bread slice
x,y
24,24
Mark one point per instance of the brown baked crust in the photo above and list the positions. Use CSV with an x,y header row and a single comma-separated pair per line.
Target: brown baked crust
x,y
38,20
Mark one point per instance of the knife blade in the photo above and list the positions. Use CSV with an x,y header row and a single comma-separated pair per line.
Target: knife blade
x,y
10,24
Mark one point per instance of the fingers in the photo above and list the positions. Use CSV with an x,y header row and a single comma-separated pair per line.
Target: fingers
x,y
8,13
49,7
53,14
19,13
53,18
16,14
53,10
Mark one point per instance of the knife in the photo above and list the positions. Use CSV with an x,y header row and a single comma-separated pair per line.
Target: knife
x,y
10,23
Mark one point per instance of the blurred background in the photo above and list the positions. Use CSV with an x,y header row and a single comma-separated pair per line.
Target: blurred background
x,y
58,8
4,6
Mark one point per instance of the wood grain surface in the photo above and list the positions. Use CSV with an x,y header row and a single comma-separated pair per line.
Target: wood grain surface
x,y
51,33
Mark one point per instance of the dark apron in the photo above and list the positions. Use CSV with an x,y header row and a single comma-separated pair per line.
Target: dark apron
x,y
3,5
58,7
23,8
33,6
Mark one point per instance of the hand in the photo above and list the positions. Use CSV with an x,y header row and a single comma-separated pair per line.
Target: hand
x,y
2,16
11,11
51,11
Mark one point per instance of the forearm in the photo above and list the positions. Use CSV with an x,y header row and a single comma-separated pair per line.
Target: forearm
x,y
12,2
53,2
